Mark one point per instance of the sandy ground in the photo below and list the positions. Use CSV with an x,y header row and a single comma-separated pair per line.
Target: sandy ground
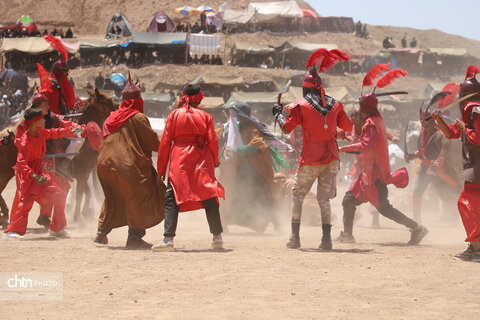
x,y
256,277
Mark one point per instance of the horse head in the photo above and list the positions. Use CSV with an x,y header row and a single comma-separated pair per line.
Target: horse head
x,y
8,138
99,107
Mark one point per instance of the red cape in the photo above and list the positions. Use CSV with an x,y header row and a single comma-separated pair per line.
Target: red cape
x,y
116,119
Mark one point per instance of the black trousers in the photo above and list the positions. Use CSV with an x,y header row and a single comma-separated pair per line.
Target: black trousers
x,y
171,214
350,204
132,233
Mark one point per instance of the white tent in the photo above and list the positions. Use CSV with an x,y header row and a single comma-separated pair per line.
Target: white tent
x,y
270,10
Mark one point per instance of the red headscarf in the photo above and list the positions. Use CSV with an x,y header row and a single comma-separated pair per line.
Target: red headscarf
x,y
127,109
189,100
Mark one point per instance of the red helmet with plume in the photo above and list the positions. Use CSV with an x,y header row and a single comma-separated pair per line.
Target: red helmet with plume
x,y
369,100
470,86
57,44
323,59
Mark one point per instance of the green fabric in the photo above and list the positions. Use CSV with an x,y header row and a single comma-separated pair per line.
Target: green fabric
x,y
246,150
277,159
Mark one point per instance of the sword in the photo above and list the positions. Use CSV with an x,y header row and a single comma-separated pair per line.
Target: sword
x,y
72,115
279,99
453,104
59,155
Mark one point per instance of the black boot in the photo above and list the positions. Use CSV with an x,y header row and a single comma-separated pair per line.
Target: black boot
x,y
294,241
327,238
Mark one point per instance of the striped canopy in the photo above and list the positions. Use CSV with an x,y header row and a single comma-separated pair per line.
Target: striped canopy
x,y
187,11
205,9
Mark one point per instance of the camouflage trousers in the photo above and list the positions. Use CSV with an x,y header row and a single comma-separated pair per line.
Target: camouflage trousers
x,y
325,175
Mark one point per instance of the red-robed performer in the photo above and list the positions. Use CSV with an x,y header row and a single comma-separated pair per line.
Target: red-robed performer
x,y
319,115
468,129
33,182
190,145
54,121
61,94
371,184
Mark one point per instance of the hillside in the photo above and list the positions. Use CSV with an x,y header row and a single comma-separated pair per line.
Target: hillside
x,y
89,17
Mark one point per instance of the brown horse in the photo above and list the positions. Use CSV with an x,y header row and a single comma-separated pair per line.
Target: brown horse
x,y
8,158
98,109
84,164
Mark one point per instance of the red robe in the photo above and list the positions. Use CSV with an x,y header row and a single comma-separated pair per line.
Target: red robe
x,y
67,96
319,144
29,161
49,164
374,162
190,145
469,200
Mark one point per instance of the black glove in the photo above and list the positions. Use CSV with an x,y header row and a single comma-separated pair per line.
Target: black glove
x,y
277,110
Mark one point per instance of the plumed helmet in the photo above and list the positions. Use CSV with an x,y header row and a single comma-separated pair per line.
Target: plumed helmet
x,y
368,103
312,80
470,86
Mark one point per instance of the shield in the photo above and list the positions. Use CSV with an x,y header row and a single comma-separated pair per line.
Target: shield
x,y
94,135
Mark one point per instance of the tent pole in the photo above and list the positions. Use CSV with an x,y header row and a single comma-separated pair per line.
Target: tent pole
x,y
187,44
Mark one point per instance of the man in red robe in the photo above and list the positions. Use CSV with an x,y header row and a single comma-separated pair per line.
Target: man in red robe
x,y
190,145
33,182
319,115
61,95
468,129
52,120
374,176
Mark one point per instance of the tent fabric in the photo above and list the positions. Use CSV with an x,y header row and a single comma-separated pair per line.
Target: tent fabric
x,y
120,21
187,11
288,9
336,24
449,51
204,44
212,102
309,13
253,97
252,48
157,97
159,38
107,43
310,47
33,45
161,22
220,80
238,16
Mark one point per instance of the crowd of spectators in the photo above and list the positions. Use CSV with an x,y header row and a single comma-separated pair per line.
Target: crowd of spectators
x,y
19,33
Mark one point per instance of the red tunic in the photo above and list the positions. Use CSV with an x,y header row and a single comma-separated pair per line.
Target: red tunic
x,y
319,144
469,200
190,145
29,161
374,162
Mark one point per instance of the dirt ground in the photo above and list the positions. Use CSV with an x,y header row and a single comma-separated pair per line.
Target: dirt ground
x,y
256,277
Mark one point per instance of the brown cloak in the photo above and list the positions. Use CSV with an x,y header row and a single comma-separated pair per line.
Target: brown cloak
x,y
134,195
249,184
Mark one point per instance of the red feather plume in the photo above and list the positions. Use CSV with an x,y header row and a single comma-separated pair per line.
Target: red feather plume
x,y
316,57
57,44
341,55
471,70
374,73
45,83
454,89
390,76
334,56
